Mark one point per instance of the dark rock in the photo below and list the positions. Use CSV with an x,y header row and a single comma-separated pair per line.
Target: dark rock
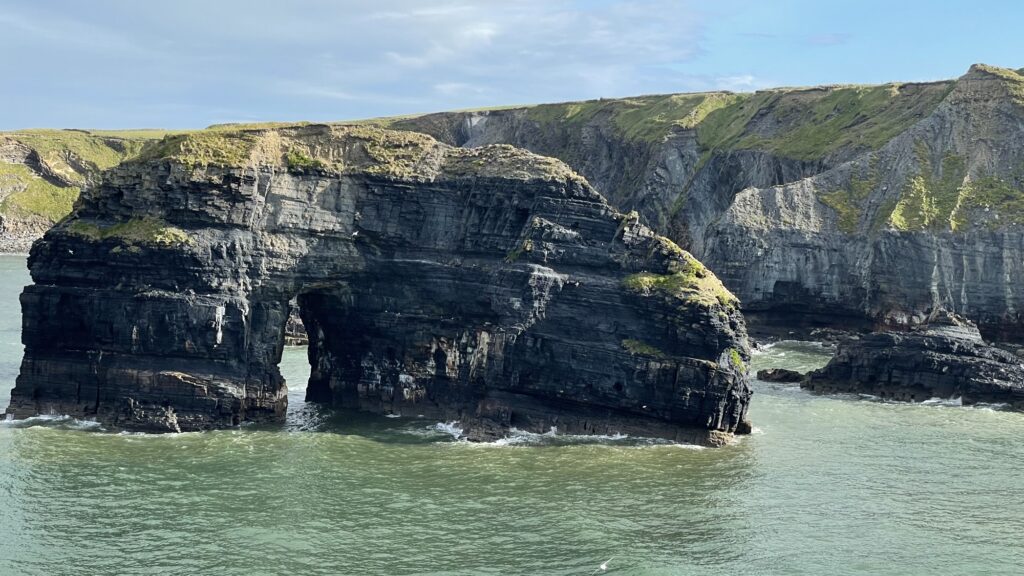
x,y
945,359
779,375
489,286
294,330
828,234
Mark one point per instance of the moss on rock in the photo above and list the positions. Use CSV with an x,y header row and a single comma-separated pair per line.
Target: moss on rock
x,y
147,231
690,282
640,348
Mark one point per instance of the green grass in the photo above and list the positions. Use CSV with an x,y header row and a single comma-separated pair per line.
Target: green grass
x,y
298,160
34,195
146,230
74,156
848,202
737,359
66,152
989,199
638,348
643,118
690,282
927,202
1013,80
813,123
206,148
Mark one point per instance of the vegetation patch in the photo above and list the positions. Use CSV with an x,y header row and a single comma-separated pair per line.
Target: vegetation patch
x,y
849,202
639,348
810,124
146,230
989,199
1013,80
204,148
29,194
396,154
737,359
297,160
525,247
690,282
926,202
644,118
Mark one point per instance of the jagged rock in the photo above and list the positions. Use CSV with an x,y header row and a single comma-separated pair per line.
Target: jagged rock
x,y
489,286
946,358
779,375
294,330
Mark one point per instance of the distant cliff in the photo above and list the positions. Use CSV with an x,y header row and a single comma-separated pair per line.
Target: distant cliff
x,y
42,172
837,204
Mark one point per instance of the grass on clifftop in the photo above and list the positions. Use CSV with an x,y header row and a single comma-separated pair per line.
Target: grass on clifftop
x,y
146,230
69,158
204,148
691,282
1013,80
810,124
643,118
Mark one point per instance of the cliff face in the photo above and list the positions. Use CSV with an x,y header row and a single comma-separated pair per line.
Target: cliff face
x,y
838,204
489,286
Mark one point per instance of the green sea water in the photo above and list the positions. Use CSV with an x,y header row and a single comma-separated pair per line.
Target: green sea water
x,y
825,486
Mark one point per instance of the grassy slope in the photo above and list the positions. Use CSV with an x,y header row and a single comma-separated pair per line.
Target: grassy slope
x,y
71,155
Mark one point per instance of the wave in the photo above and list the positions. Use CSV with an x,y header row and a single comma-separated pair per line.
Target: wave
x,y
60,421
518,438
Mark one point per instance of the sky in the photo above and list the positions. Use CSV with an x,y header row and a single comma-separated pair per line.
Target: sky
x,y
191,63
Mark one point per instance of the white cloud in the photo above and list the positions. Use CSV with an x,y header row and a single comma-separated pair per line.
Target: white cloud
x,y
323,59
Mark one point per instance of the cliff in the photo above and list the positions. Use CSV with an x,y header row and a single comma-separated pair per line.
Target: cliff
x,y
490,286
838,204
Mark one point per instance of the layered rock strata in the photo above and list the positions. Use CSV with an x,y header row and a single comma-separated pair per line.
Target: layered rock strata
x,y
945,359
843,206
489,286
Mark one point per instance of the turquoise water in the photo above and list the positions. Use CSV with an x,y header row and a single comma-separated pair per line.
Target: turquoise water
x,y
825,486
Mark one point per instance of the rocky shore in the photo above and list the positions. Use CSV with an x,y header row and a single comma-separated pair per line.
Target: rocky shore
x,y
946,358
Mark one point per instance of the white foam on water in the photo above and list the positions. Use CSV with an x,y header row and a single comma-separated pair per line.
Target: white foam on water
x,y
936,401
450,428
991,407
51,421
392,415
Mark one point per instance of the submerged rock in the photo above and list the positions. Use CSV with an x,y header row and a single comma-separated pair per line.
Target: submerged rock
x,y
945,359
779,375
489,286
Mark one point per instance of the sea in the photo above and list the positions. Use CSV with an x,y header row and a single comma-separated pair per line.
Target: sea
x,y
825,486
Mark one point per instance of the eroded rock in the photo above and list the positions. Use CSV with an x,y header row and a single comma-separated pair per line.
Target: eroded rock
x,y
947,358
779,375
489,286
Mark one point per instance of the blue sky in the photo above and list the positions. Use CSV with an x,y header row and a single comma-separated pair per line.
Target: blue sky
x,y
191,63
